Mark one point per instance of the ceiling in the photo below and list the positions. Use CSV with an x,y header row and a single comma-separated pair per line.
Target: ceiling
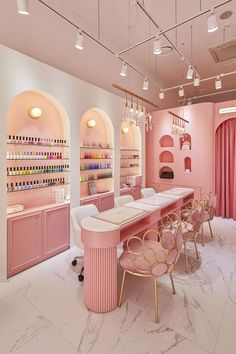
x,y
47,37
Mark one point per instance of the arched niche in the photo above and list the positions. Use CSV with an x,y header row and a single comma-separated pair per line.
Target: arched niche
x,y
166,156
166,172
29,141
166,141
185,142
96,152
187,164
130,152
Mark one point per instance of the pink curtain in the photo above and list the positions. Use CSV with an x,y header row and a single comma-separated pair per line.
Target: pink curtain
x,y
226,169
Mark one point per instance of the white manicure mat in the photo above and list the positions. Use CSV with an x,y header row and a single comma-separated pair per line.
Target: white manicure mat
x,y
120,215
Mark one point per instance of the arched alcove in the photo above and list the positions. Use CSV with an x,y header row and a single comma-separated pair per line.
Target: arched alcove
x,y
37,150
166,172
130,152
187,164
96,152
185,142
166,141
166,156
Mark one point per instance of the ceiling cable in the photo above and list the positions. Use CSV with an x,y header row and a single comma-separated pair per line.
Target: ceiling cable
x,y
173,27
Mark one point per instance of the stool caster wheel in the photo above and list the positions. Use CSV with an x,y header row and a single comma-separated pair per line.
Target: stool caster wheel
x,y
81,277
74,262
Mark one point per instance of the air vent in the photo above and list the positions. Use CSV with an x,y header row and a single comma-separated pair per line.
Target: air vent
x,y
224,52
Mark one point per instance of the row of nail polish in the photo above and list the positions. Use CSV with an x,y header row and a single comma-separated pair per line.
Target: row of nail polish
x,y
28,170
19,139
33,155
19,186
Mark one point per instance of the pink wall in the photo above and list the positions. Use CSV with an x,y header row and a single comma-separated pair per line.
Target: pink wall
x,y
220,118
201,129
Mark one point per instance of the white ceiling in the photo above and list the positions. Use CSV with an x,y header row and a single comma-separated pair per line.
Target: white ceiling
x,y
46,37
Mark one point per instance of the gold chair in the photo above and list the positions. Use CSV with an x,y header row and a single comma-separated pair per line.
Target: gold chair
x,y
149,257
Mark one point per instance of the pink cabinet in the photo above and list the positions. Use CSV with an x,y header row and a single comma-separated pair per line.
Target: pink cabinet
x,y
103,201
24,242
106,202
125,191
56,235
89,200
36,234
136,192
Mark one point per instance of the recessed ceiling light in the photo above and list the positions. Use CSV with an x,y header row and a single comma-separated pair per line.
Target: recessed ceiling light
x,y
226,14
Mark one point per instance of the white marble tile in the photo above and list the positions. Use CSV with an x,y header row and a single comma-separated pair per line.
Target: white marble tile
x,y
19,322
48,341
53,293
6,289
226,343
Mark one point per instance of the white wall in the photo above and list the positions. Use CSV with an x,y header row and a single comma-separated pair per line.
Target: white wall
x,y
19,73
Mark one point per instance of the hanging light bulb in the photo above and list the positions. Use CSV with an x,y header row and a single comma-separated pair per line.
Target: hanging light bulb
x,y
123,71
161,95
142,111
22,7
212,22
145,84
157,45
79,44
131,106
189,75
218,83
189,102
196,81
181,91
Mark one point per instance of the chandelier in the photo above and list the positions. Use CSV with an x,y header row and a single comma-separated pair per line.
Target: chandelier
x,y
137,114
136,111
178,124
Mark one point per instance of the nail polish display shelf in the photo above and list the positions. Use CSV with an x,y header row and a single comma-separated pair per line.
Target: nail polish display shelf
x,y
35,174
63,158
29,189
41,145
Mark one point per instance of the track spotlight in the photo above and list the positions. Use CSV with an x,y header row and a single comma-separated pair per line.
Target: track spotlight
x,y
123,71
189,75
79,44
181,91
218,83
145,84
22,7
157,45
212,22
161,95
196,81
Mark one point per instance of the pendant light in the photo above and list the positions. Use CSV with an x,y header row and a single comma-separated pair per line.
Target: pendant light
x,y
145,84
157,46
181,91
196,81
161,95
189,75
123,71
212,22
22,7
218,83
79,44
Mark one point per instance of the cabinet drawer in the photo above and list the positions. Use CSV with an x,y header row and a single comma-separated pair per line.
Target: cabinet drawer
x,y
24,242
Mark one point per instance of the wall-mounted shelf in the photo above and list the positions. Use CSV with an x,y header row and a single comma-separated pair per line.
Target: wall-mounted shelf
x,y
40,187
96,148
97,179
41,145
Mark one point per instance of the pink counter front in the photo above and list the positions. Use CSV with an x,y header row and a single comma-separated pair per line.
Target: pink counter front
x,y
102,233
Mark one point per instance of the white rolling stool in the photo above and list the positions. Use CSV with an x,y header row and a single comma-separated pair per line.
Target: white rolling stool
x,y
77,214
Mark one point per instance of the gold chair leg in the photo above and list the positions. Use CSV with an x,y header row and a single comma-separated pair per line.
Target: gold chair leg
x,y
195,245
186,257
209,223
155,299
172,283
202,236
122,288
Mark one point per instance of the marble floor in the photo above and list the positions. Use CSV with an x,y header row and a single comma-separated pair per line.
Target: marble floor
x,y
42,311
